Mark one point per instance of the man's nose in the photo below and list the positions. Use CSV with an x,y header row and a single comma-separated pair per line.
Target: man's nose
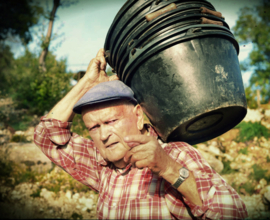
x,y
105,132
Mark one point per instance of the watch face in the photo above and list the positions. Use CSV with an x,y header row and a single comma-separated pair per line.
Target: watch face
x,y
184,172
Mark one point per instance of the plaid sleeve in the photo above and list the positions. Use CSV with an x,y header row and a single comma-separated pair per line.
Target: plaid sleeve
x,y
220,200
73,153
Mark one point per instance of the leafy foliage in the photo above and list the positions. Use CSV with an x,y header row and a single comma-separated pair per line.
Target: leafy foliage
x,y
249,187
227,167
26,176
258,173
34,91
76,216
23,122
9,170
18,138
78,126
251,98
5,169
243,151
253,25
249,130
36,193
16,18
6,62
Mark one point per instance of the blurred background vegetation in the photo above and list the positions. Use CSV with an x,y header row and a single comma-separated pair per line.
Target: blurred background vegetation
x,y
253,25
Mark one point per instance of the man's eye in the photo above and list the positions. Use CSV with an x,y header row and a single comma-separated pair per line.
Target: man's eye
x,y
112,121
93,128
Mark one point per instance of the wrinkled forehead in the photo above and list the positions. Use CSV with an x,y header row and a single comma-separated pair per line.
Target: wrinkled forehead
x,y
111,108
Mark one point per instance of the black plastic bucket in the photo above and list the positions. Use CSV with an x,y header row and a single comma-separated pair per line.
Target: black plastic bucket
x,y
137,25
134,11
178,35
143,37
192,91
185,75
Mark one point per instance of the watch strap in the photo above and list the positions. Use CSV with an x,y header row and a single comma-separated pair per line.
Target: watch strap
x,y
182,177
178,182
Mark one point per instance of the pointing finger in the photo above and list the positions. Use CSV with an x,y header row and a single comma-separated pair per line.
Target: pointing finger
x,y
136,149
141,139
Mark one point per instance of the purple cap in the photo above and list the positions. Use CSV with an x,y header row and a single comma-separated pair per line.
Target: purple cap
x,y
103,92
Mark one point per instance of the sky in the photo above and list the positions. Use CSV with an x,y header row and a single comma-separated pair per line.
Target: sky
x,y
82,28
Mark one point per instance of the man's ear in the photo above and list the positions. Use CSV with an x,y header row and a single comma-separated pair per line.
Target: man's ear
x,y
139,114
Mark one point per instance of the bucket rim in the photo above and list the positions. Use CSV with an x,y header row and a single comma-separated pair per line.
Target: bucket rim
x,y
146,54
124,34
169,24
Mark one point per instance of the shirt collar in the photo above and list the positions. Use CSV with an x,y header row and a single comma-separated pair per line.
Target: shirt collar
x,y
100,159
151,130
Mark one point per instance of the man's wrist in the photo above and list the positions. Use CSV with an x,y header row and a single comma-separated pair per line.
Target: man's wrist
x,y
171,174
183,175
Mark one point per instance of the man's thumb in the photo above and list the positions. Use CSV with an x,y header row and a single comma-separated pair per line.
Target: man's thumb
x,y
113,77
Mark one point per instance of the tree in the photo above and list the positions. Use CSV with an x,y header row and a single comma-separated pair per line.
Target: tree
x,y
253,25
6,63
46,41
16,18
37,92
21,79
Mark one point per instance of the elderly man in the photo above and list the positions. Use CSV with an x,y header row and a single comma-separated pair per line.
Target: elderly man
x,y
137,176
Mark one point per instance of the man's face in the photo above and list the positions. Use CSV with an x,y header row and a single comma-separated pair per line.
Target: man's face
x,y
108,124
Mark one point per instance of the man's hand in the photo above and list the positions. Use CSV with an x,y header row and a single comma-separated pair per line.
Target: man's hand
x,y
96,69
94,75
146,152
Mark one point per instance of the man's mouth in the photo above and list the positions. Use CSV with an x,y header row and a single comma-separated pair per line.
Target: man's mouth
x,y
112,144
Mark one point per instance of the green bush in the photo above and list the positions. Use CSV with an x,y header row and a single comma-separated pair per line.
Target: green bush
x,y
243,151
249,130
76,216
36,193
21,123
258,173
227,167
78,127
36,91
249,187
5,169
25,176
18,138
267,159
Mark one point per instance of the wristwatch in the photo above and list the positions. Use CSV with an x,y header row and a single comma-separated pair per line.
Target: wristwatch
x,y
184,174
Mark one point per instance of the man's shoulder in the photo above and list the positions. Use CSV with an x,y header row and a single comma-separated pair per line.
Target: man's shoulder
x,y
179,146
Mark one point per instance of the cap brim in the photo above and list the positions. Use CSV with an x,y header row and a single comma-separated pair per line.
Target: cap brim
x,y
78,109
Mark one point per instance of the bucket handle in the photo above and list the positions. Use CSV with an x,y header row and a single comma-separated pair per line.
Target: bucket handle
x,y
209,21
205,10
155,14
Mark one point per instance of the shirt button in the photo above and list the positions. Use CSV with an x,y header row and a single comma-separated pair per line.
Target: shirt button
x,y
114,204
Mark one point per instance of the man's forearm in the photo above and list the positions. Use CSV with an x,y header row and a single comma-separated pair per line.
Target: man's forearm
x,y
188,188
63,110
94,75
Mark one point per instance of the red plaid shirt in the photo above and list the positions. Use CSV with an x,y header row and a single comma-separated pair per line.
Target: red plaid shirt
x,y
138,193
